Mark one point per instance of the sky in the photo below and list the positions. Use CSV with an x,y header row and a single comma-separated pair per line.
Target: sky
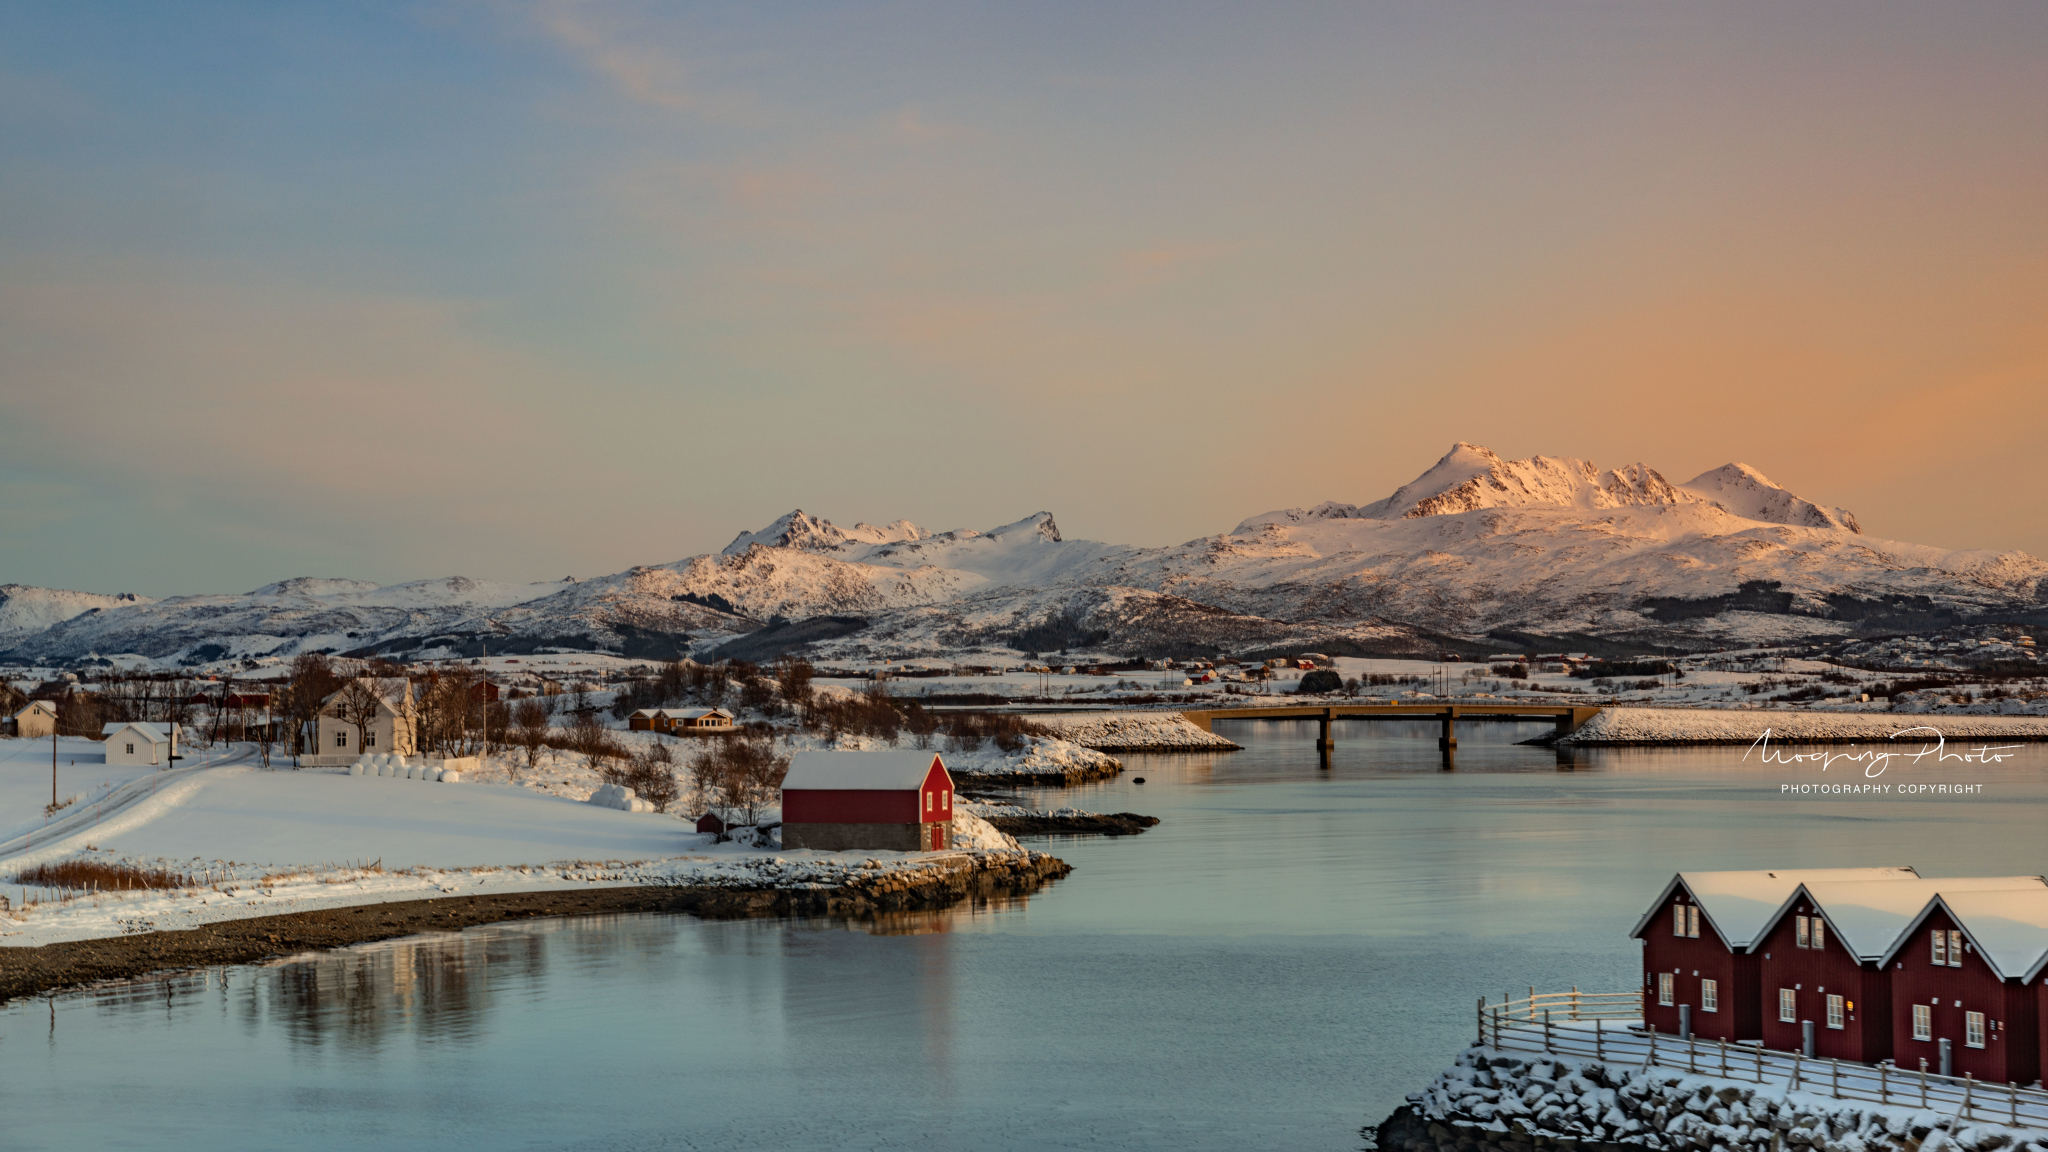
x,y
524,290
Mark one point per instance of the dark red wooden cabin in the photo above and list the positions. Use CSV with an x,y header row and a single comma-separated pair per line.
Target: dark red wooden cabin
x,y
1697,939
1968,970
852,801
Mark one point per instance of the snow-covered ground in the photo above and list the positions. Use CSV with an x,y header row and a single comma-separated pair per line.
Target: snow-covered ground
x,y
261,842
1131,730
1707,726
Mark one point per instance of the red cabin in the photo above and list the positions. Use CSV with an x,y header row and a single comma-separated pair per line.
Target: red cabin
x,y
1823,960
1968,970
852,801
1697,939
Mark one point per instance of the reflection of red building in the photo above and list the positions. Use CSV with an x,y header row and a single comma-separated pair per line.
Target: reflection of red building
x,y
1697,939
1823,961
1969,970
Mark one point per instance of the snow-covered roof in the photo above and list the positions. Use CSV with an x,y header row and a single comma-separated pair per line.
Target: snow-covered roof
x,y
1739,905
886,771
35,705
149,732
694,713
1869,916
2009,928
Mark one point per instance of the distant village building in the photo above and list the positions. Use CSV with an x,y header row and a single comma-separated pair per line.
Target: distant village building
x,y
135,743
390,730
38,718
690,721
862,801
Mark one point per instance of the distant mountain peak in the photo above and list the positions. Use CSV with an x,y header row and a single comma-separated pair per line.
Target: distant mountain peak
x,y
1751,495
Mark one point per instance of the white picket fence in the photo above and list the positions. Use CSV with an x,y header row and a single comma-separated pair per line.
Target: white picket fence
x,y
1608,1026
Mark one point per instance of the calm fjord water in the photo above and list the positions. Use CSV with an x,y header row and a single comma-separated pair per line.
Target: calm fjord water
x,y
1273,966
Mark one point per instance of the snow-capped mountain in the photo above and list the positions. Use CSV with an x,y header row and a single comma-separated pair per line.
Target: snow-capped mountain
x,y
1477,547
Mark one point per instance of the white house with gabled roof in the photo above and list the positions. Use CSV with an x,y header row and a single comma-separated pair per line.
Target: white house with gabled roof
x,y
134,743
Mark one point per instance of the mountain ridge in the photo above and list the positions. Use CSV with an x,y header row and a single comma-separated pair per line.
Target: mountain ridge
x,y
1475,545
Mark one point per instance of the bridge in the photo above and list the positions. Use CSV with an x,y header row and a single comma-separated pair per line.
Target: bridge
x,y
1566,716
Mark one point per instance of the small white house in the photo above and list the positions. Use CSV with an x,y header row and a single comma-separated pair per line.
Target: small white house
x,y
136,743
38,719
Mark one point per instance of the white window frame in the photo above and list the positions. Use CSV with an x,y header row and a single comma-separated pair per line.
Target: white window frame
x,y
1788,1006
1804,932
1667,989
1837,1018
1692,920
1678,919
1820,933
1955,948
1973,1029
341,739
369,739
1940,948
1923,1022
131,749
1710,995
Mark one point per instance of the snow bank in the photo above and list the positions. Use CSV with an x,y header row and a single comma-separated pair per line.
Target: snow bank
x,y
1041,760
1134,731
1721,726
1591,1102
970,831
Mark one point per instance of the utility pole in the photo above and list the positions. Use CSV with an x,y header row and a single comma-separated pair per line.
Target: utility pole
x,y
53,764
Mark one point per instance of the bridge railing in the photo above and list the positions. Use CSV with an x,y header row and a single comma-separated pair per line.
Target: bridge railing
x,y
1540,1023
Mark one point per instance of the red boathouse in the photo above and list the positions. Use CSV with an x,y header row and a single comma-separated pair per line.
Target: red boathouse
x,y
1969,971
1697,939
853,801
1823,960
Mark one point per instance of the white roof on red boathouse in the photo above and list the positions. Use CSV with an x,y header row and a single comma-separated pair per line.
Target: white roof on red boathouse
x,y
2009,928
880,771
1869,916
1740,905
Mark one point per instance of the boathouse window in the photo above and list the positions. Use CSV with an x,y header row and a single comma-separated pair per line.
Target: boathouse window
x,y
1805,932
1923,1022
1666,985
1820,933
1710,995
1973,1029
1692,920
1788,1006
1940,946
1835,1016
1955,948
1678,919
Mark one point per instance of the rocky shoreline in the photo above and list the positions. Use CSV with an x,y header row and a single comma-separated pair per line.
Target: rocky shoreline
x,y
1082,824
943,883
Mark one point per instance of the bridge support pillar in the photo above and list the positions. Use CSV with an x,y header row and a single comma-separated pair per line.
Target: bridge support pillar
x,y
1323,741
1448,742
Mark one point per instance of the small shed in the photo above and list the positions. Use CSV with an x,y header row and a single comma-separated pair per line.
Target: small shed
x,y
137,743
851,801
711,822
38,719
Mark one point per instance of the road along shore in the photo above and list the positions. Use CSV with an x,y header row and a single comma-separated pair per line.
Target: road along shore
x,y
941,883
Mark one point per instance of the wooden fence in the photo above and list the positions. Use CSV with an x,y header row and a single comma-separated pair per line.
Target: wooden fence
x,y
1608,1026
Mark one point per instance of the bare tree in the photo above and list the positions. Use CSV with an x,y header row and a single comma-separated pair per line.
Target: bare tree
x,y
358,705
313,680
793,680
652,776
530,719
739,776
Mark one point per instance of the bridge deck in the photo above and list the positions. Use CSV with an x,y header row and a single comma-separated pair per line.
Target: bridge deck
x,y
1568,717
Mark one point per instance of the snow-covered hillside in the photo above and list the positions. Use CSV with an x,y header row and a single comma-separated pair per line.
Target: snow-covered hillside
x,y
1476,545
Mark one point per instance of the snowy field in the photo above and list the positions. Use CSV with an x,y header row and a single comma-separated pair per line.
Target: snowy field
x,y
260,842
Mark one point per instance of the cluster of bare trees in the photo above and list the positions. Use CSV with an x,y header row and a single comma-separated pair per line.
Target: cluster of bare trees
x,y
738,776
